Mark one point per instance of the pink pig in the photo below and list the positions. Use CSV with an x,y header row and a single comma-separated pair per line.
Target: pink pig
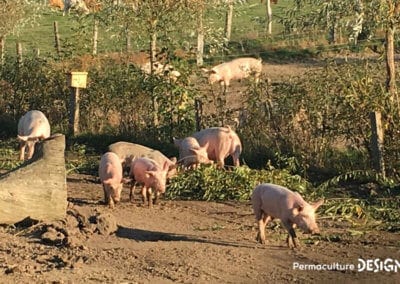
x,y
236,69
127,151
222,142
273,201
32,127
110,173
191,154
151,175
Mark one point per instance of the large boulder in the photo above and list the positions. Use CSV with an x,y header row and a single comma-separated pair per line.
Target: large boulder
x,y
38,188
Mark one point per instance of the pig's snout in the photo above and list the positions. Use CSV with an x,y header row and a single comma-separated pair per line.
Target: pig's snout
x,y
315,232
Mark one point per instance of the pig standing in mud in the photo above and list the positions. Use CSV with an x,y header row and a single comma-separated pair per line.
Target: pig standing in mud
x,y
273,201
191,154
151,175
236,69
32,127
127,151
110,173
222,142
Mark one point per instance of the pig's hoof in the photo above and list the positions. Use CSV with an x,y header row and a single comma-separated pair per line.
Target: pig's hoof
x,y
260,240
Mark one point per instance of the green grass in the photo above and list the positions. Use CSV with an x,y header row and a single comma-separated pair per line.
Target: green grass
x,y
248,24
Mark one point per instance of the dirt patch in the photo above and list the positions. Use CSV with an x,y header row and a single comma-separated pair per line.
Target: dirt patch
x,y
179,241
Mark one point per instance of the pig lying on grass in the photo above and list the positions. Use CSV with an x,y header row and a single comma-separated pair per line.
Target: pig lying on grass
x,y
273,201
149,173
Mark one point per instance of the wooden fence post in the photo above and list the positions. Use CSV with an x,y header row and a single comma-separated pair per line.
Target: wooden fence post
x,y
377,142
2,49
75,80
95,36
57,38
74,111
19,53
198,106
128,41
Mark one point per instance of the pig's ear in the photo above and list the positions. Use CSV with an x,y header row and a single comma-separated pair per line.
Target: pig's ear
x,y
195,151
165,166
174,160
205,146
149,174
317,204
205,70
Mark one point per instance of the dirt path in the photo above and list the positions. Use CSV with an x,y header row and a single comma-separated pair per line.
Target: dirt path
x,y
183,242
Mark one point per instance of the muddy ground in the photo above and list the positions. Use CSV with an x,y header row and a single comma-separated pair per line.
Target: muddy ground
x,y
183,242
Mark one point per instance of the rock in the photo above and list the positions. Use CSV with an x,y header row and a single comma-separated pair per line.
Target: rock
x,y
106,224
38,188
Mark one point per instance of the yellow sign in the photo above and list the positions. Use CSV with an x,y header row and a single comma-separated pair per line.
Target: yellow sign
x,y
77,79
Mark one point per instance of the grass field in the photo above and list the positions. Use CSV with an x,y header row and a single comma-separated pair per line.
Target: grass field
x,y
248,24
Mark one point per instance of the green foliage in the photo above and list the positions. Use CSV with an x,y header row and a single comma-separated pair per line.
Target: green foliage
x,y
8,157
359,177
212,183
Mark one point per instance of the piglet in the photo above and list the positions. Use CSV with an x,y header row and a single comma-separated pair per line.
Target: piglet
x,y
271,201
32,127
149,173
110,173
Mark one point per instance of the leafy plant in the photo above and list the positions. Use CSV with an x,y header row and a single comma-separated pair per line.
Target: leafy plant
x,y
211,183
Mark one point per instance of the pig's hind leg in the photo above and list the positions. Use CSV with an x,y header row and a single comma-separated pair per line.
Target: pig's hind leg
x,y
263,220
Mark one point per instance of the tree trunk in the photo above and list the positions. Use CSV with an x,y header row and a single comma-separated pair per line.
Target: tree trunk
x,y
390,65
377,142
153,47
228,21
268,22
200,38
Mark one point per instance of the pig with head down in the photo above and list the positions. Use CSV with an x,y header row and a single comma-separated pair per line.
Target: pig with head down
x,y
271,201
127,151
32,127
191,154
221,142
235,69
151,175
110,173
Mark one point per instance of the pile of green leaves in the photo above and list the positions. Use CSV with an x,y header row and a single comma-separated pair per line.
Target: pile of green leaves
x,y
211,183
